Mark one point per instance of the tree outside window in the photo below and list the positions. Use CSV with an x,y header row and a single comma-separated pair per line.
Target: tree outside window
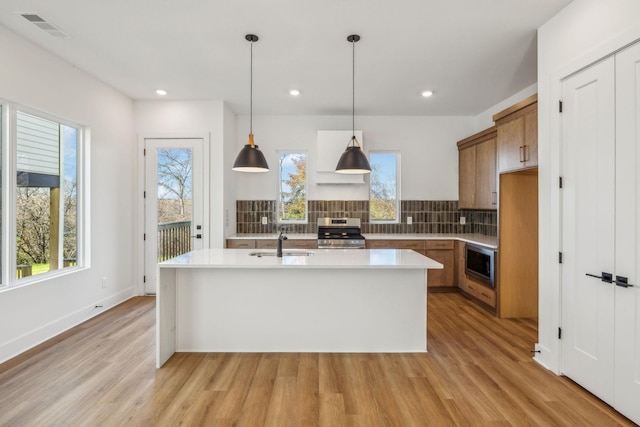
x,y
292,187
384,200
46,213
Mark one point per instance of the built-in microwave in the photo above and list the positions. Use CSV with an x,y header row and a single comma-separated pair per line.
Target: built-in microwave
x,y
479,264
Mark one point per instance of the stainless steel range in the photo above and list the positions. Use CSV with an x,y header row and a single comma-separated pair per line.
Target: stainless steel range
x,y
339,233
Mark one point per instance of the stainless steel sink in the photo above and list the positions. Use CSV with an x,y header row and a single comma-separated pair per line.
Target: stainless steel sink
x,y
285,252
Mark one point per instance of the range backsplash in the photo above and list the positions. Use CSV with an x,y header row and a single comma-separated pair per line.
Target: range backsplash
x,y
429,216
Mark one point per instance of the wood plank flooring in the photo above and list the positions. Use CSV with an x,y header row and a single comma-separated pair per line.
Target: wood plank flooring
x,y
478,372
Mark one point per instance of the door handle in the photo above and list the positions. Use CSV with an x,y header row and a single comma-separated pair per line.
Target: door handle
x,y
606,277
197,236
522,159
622,282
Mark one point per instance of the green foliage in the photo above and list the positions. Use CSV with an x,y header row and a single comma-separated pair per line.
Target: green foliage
x,y
382,198
294,202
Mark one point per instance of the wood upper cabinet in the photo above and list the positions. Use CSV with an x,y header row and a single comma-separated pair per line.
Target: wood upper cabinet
x,y
467,177
477,171
517,138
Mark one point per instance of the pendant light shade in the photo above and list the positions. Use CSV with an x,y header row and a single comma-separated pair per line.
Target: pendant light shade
x,y
353,160
250,158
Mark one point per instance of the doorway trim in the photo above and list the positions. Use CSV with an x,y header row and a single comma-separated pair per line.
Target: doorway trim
x,y
550,207
138,239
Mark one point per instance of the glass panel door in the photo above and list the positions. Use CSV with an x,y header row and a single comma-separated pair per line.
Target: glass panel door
x,y
173,202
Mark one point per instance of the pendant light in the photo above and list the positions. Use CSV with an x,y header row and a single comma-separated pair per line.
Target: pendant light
x,y
353,159
250,158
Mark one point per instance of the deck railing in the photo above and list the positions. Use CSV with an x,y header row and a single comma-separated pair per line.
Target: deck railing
x,y
174,238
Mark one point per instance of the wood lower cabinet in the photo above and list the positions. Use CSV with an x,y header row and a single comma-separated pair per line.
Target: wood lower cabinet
x,y
470,287
478,291
439,250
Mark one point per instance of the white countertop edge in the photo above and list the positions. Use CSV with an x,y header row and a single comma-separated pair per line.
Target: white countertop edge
x,y
322,259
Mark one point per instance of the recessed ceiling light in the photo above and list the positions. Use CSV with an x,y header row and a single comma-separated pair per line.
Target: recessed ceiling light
x,y
294,92
161,92
427,93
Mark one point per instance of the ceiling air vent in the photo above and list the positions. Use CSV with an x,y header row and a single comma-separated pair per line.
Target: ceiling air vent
x,y
45,26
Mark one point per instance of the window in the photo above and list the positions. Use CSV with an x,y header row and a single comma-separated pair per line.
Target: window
x,y
47,210
384,187
292,187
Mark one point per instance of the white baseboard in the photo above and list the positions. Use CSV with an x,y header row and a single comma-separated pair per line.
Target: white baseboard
x,y
31,339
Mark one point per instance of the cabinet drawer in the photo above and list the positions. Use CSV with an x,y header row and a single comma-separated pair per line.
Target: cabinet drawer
x,y
266,243
241,244
300,244
440,244
416,245
287,244
483,293
379,244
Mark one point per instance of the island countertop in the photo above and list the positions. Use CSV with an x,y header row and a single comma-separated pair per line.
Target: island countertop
x,y
321,258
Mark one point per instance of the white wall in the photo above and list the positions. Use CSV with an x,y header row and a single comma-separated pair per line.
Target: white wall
x,y
582,33
34,78
484,120
429,154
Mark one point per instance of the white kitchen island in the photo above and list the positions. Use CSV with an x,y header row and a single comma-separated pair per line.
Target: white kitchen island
x,y
225,300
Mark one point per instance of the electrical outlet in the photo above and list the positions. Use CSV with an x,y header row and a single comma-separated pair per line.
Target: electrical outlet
x,y
104,282
265,220
409,220
463,220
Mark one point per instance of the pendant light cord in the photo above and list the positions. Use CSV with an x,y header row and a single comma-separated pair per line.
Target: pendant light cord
x,y
251,93
353,89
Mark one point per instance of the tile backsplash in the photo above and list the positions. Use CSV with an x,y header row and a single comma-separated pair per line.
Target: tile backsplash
x,y
428,216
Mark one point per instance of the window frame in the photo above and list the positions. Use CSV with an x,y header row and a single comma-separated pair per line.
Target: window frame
x,y
398,218
306,188
9,197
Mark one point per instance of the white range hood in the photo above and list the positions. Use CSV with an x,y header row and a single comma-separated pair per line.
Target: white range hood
x,y
331,144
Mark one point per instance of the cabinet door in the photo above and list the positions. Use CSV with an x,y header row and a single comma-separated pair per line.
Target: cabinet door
x,y
510,141
531,139
486,196
459,263
467,177
441,251
588,231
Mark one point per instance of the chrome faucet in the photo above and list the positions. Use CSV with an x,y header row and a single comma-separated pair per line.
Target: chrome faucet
x,y
281,237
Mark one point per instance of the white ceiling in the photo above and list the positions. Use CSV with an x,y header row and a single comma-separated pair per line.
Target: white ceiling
x,y
471,53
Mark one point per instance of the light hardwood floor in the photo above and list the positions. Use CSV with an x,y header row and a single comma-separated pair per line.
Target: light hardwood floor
x,y
478,371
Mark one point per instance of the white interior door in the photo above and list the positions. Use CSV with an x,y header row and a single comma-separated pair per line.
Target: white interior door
x,y
627,310
174,206
588,231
